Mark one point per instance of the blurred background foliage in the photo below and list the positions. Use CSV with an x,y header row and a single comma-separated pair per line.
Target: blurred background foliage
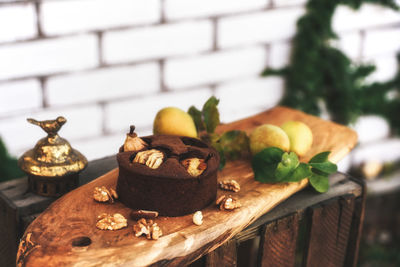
x,y
321,76
8,165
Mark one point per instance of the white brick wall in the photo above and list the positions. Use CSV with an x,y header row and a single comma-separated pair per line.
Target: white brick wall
x,y
252,95
378,42
20,96
17,22
268,26
369,15
279,54
142,111
177,9
284,3
94,148
107,64
59,17
82,122
371,128
160,41
48,56
384,150
103,85
215,67
386,67
350,44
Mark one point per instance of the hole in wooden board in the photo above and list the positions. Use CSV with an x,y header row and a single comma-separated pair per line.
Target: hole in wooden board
x,y
82,241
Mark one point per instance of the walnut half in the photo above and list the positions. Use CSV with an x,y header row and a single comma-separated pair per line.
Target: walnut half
x,y
194,166
227,203
230,185
148,228
152,158
102,194
111,222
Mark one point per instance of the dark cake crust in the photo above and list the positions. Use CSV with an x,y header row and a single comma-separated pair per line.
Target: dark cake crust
x,y
170,189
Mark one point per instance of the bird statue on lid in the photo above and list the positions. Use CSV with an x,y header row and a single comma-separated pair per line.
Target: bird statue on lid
x,y
52,166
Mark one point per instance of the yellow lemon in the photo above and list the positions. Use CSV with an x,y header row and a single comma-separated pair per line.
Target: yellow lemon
x,y
174,121
268,135
300,136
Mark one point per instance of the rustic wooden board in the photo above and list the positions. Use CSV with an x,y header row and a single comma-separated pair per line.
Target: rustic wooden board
x,y
73,216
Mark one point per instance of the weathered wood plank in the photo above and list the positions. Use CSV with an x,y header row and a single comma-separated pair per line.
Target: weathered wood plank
x,y
356,227
9,224
278,243
340,185
225,255
328,237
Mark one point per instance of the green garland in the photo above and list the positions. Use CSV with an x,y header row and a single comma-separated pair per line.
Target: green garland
x,y
319,72
8,166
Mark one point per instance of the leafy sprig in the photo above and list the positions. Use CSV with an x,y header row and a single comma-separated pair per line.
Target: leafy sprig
x,y
273,165
230,145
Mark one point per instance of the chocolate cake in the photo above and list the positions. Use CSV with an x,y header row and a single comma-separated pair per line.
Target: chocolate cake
x,y
168,187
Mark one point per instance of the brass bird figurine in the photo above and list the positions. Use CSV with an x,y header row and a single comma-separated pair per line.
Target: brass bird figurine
x,y
51,127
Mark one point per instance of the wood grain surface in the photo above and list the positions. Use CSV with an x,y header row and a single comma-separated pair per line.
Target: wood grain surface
x,y
65,234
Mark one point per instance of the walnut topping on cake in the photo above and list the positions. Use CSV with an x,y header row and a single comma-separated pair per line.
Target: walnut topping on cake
x,y
102,194
230,185
152,158
194,166
148,228
227,203
111,222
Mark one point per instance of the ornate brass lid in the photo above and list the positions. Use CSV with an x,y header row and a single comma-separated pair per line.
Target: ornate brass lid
x,y
52,156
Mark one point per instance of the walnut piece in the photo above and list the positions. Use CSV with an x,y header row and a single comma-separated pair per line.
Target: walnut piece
x,y
111,222
194,166
155,231
141,228
102,194
230,185
227,203
198,218
148,228
152,158
113,193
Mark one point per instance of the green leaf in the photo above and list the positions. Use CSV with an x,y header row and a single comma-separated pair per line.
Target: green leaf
x,y
321,163
197,118
235,144
265,163
319,182
288,164
222,160
320,157
325,167
211,114
301,172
